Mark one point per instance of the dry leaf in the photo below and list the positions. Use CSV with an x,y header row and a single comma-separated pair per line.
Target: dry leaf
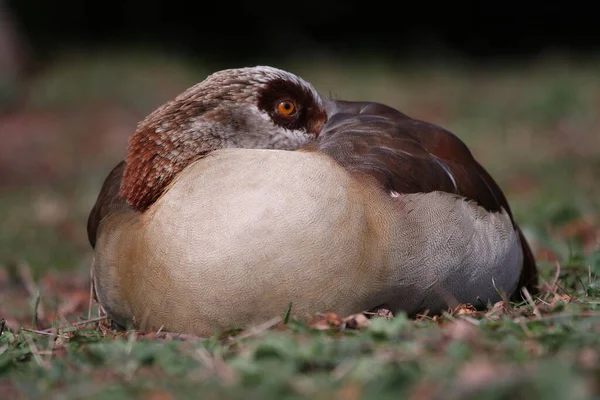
x,y
383,313
499,309
324,321
356,321
465,309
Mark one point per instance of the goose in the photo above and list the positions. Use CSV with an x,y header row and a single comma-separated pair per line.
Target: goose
x,y
250,192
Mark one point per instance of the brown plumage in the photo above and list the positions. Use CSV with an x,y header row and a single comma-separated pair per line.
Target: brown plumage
x,y
411,156
367,177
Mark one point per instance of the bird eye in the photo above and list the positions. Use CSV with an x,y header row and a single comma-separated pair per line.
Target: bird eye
x,y
286,107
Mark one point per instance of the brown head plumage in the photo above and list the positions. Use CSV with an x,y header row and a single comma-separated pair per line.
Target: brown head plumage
x,y
258,107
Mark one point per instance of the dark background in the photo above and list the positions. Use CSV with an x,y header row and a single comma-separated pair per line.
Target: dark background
x,y
240,32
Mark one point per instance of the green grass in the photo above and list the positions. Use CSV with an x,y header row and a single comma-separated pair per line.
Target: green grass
x,y
535,127
505,352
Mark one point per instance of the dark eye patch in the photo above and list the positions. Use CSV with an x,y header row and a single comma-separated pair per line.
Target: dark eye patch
x,y
309,116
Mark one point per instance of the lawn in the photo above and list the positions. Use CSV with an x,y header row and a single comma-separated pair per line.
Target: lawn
x,y
534,125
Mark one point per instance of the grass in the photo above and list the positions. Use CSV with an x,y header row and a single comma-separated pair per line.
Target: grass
x,y
533,126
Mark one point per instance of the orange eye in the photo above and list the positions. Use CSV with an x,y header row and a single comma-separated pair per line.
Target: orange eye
x,y
286,107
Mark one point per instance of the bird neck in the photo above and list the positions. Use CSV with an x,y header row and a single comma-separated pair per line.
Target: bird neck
x,y
157,152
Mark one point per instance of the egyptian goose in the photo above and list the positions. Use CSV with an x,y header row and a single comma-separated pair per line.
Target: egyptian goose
x,y
250,191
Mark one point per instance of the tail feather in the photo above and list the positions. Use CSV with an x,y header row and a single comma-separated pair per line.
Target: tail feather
x,y
529,273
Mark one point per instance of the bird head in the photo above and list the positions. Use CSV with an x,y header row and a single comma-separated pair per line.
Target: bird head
x,y
258,107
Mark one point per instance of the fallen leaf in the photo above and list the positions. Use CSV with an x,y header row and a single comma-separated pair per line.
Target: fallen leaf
x,y
356,321
324,321
465,309
498,310
382,313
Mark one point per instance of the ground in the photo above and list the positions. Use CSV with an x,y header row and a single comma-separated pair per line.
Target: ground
x,y
534,125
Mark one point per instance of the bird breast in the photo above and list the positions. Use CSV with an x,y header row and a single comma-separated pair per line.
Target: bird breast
x,y
242,233
238,236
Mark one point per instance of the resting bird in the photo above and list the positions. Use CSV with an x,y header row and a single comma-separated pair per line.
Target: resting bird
x,y
250,191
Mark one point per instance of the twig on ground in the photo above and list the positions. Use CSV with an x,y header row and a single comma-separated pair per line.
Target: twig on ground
x,y
543,301
556,277
101,311
582,285
525,328
79,323
32,290
258,329
546,289
564,290
45,333
36,354
425,315
529,299
216,364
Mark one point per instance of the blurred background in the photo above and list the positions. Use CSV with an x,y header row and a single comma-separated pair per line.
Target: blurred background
x,y
520,84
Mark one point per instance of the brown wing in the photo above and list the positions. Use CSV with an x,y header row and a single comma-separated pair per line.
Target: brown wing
x,y
411,156
403,154
108,202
